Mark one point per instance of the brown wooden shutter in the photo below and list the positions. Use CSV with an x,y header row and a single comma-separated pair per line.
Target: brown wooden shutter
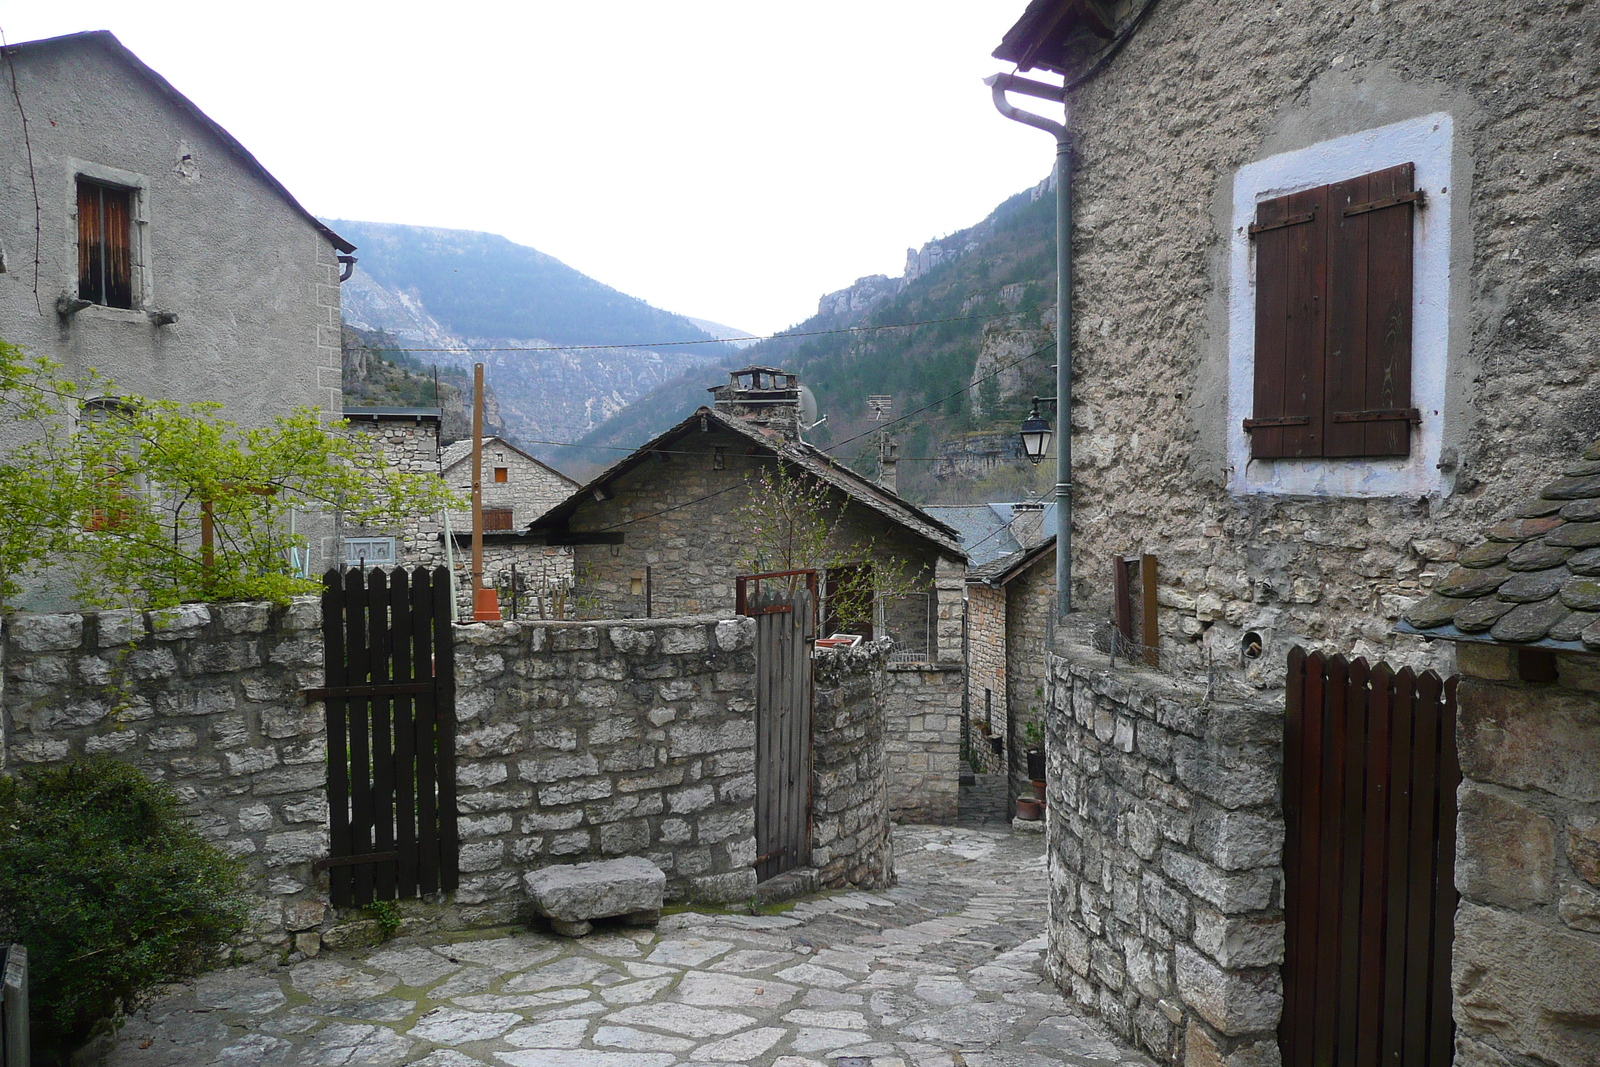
x,y
1291,280
105,253
497,518
1369,330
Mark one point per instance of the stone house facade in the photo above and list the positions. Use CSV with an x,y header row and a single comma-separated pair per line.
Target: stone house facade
x,y
517,489
1261,195
166,257
408,440
663,532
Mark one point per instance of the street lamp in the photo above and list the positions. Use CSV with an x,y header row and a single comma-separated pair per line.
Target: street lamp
x,y
1036,432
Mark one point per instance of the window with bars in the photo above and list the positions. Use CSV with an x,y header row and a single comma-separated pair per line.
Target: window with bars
x,y
1333,320
105,244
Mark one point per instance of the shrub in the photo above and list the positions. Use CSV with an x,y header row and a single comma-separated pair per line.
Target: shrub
x,y
110,889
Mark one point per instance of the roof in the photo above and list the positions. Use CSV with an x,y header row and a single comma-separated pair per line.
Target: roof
x,y
1039,37
1534,580
985,529
999,572
107,40
462,450
398,414
806,457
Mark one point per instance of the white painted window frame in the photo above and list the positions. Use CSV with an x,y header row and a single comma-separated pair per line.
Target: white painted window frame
x,y
1426,142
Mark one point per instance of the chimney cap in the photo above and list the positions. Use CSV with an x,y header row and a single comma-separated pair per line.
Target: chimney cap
x,y
754,379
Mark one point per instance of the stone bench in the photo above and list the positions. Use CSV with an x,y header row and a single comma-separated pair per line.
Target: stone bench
x,y
570,895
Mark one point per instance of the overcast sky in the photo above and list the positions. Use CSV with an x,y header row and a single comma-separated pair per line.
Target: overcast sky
x,y
727,159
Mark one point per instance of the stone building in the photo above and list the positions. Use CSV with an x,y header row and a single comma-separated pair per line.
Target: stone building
x,y
162,254
1023,584
664,532
1331,269
408,440
516,490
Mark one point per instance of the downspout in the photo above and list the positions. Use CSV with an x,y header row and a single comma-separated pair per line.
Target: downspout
x,y
1000,84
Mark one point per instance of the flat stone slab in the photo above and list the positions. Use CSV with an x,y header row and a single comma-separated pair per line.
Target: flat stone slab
x,y
570,895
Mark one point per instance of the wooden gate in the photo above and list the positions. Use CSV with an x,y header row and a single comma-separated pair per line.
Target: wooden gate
x,y
1369,783
390,698
784,607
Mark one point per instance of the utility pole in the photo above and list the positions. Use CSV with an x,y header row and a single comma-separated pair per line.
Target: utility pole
x,y
485,602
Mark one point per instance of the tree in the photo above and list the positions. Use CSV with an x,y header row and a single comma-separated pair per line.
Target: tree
x,y
153,502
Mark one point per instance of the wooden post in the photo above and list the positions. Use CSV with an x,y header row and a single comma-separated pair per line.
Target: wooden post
x,y
208,547
485,602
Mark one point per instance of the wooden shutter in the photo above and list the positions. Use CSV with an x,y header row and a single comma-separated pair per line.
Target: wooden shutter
x,y
1333,320
105,254
497,518
1369,305
1291,277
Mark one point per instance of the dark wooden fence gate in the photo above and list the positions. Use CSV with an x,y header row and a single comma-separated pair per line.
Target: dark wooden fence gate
x,y
1369,783
784,606
390,699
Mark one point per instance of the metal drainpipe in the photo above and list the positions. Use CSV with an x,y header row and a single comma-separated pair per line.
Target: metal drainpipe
x,y
999,85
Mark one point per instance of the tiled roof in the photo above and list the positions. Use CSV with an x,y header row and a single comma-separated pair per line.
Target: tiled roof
x,y
1534,579
983,532
1000,571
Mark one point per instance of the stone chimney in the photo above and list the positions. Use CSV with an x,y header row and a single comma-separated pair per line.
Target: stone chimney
x,y
1027,524
764,396
888,452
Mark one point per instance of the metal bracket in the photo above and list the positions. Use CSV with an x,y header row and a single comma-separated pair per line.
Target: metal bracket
x,y
1417,197
1290,220
1280,420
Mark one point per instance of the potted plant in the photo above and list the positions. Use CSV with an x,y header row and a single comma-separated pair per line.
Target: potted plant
x,y
1029,809
1033,735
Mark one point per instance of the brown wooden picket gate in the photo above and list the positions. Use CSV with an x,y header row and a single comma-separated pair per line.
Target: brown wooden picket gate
x,y
1369,783
784,606
390,699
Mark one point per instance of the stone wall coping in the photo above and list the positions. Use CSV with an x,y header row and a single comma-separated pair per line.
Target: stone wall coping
x,y
926,668
578,624
1092,664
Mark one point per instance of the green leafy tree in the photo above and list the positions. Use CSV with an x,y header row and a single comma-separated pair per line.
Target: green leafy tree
x,y
154,502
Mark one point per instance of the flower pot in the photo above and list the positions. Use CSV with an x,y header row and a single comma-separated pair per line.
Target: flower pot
x,y
1029,810
1036,765
1038,790
998,744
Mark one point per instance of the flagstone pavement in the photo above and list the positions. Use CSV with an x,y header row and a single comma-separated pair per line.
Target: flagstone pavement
x,y
942,970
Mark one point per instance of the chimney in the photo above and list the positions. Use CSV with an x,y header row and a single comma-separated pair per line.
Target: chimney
x,y
764,396
1027,523
887,453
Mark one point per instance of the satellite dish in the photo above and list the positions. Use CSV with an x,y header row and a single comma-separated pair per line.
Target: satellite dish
x,y
808,408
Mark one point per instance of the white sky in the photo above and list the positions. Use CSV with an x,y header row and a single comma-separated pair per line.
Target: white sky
x,y
727,159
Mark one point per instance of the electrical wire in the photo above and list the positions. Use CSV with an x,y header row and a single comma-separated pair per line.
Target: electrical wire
x,y
27,143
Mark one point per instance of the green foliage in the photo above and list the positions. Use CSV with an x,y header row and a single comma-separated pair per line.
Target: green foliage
x,y
110,889
1033,734
386,913
122,492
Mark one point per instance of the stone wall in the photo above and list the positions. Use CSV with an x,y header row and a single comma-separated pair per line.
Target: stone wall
x,y
1030,614
1202,90
409,445
850,828
986,671
1527,946
545,572
923,730
531,488
587,741
1165,832
207,700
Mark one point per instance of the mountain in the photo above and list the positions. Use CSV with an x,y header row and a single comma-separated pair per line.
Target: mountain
x,y
378,374
452,297
981,309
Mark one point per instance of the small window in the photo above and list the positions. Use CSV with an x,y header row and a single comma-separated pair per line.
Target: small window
x,y
502,474
1333,320
105,244
497,518
369,552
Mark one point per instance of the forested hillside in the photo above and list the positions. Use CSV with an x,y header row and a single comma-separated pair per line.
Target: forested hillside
x,y
378,374
983,305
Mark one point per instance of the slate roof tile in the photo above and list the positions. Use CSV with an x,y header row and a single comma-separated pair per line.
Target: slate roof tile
x,y
1534,578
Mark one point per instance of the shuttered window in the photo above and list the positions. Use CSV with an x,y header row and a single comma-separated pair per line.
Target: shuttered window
x,y
1333,320
497,518
105,245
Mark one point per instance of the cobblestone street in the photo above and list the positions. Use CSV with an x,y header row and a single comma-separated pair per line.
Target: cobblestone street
x,y
940,971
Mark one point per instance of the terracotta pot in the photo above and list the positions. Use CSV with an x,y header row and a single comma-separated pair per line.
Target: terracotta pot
x,y
1029,810
1038,791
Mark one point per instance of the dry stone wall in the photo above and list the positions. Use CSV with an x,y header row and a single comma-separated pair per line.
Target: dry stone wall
x,y
1165,833
850,828
587,741
1527,945
923,738
207,700
986,672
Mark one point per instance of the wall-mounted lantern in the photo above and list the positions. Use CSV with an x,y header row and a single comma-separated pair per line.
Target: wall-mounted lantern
x,y
1036,432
